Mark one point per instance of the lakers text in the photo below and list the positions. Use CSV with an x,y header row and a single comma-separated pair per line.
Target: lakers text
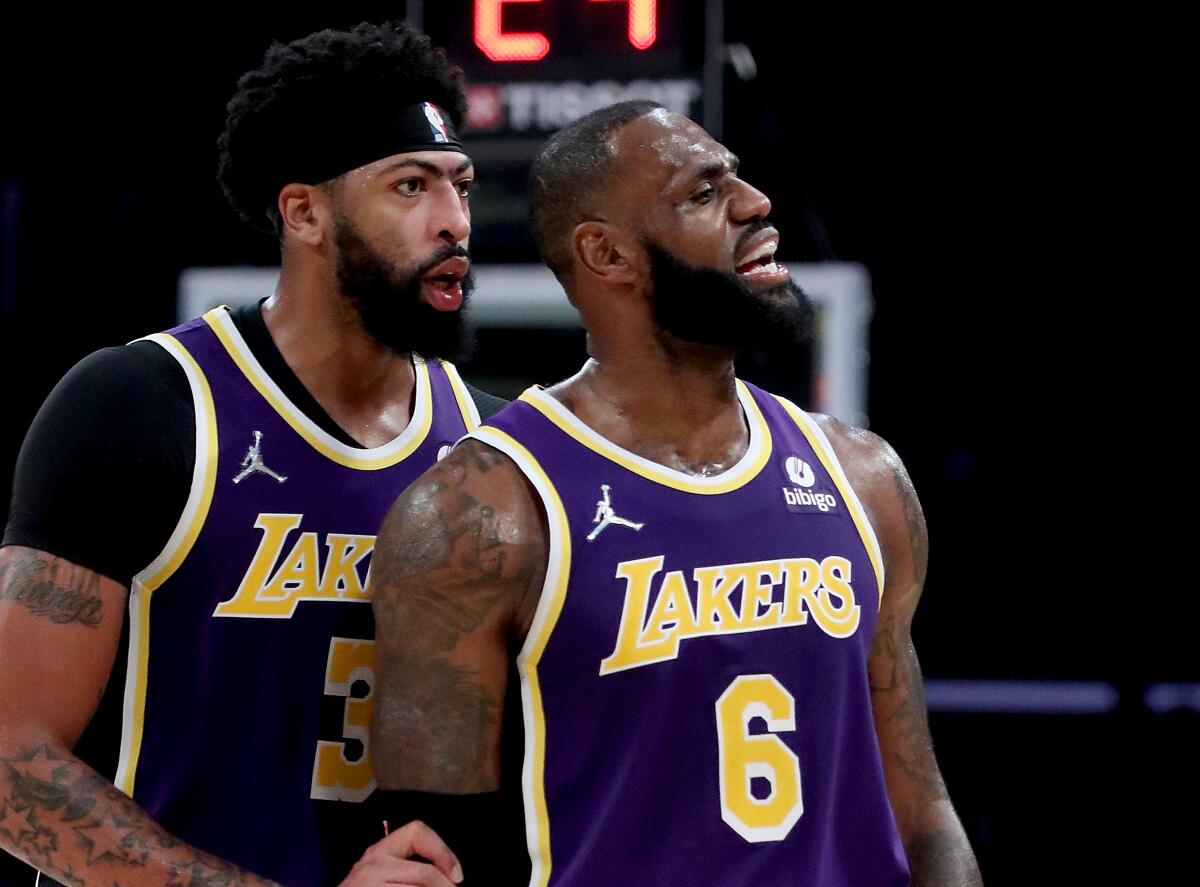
x,y
756,596
276,582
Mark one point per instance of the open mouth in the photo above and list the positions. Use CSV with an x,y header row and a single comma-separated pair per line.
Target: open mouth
x,y
760,263
442,289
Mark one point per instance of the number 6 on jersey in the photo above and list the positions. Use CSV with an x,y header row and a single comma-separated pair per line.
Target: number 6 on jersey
x,y
744,756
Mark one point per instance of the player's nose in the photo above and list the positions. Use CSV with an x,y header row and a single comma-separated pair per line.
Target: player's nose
x,y
453,220
750,203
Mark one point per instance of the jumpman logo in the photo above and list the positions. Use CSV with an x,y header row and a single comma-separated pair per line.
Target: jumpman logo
x,y
605,516
253,462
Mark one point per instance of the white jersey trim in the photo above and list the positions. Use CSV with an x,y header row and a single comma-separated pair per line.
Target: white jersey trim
x,y
352,457
162,567
824,450
758,451
550,604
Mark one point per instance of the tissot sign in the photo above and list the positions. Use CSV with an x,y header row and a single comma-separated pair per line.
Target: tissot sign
x,y
535,65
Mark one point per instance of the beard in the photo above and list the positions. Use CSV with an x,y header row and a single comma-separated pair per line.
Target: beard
x,y
387,298
713,307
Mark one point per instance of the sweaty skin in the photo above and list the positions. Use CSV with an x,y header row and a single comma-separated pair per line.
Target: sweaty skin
x,y
460,560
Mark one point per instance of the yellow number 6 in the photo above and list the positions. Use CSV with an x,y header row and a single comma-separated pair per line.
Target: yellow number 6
x,y
744,757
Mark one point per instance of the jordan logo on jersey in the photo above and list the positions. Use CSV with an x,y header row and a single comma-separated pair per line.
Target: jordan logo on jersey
x,y
275,583
252,463
605,516
727,598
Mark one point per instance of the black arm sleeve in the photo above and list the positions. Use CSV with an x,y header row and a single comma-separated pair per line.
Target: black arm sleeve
x,y
487,404
485,831
105,469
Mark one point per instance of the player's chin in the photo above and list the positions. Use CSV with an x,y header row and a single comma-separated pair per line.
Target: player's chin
x,y
783,296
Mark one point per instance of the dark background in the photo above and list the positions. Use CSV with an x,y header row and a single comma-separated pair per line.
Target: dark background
x,y
935,150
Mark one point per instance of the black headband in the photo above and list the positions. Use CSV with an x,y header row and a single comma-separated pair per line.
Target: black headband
x,y
359,136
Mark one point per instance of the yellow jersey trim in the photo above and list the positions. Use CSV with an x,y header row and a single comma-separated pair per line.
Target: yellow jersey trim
x,y
195,511
746,469
466,403
824,450
322,441
550,604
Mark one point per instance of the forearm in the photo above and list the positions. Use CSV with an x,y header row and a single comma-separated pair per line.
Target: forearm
x,y
65,819
939,854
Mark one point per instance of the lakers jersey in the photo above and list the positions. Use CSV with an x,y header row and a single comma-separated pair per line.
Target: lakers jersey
x,y
248,693
696,702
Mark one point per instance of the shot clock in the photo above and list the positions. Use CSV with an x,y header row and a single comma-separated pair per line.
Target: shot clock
x,y
533,66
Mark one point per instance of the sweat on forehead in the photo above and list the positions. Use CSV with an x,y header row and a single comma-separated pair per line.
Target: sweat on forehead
x,y
670,138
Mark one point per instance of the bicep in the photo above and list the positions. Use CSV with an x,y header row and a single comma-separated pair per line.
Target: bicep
x,y
60,624
453,570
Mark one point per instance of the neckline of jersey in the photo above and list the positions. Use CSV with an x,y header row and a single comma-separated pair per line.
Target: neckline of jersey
x,y
736,476
373,458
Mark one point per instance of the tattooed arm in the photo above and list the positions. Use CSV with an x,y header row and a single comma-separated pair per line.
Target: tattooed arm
x,y
59,628
456,572
937,848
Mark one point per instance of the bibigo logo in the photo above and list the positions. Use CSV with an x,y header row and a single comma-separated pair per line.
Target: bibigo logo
x,y
801,498
800,472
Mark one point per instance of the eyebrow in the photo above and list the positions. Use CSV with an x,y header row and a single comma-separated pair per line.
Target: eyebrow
x,y
714,168
429,167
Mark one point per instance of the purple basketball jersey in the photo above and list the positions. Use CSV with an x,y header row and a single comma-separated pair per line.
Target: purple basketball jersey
x,y
696,702
248,692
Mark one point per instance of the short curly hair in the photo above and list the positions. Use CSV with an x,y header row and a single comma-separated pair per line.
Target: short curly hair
x,y
323,77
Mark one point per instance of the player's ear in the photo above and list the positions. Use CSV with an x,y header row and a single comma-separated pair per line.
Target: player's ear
x,y
305,212
605,251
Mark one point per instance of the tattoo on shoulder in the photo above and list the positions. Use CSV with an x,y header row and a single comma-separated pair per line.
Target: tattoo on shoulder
x,y
52,589
473,455
451,562
447,563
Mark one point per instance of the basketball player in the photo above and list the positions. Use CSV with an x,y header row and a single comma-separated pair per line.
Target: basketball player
x,y
711,589
216,490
